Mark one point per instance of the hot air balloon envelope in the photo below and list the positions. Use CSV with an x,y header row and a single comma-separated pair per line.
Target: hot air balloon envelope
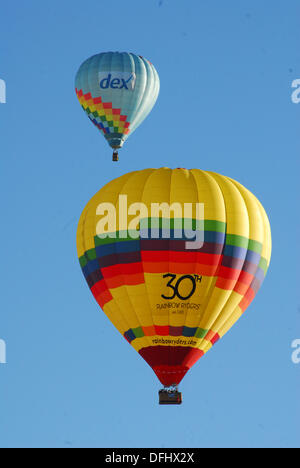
x,y
117,91
171,293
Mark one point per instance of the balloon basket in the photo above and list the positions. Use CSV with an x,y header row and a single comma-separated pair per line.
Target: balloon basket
x,y
115,156
170,396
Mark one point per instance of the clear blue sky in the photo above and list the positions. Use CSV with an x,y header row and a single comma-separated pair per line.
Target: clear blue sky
x,y
226,70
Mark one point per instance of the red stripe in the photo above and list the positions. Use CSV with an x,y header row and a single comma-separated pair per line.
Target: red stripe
x,y
101,293
162,330
171,363
122,269
229,273
104,298
245,278
180,257
98,288
247,299
215,338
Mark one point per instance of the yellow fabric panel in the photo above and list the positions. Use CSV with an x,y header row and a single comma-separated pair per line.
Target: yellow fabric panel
x,y
80,235
142,342
233,300
157,187
256,226
134,188
204,290
214,308
115,315
210,194
122,296
139,303
183,187
237,217
236,314
135,307
87,224
205,346
153,282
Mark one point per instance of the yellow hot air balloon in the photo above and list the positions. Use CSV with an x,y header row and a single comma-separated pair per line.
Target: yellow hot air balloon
x,y
174,258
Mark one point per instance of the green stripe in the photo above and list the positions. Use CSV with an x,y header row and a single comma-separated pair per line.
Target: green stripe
x,y
263,264
120,236
237,241
138,332
255,246
201,333
87,256
241,241
83,261
215,226
209,225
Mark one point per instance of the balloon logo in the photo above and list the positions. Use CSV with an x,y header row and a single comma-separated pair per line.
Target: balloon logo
x,y
117,91
170,302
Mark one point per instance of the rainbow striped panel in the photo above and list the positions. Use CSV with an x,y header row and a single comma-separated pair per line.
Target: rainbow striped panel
x,y
104,117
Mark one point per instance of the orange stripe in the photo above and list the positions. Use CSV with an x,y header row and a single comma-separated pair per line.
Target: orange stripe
x,y
247,299
103,298
125,280
209,335
241,288
226,284
149,331
246,278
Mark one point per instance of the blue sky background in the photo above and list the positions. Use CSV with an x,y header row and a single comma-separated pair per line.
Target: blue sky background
x,y
226,70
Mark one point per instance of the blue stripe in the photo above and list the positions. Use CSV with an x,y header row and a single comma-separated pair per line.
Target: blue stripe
x,y
90,267
118,247
188,331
